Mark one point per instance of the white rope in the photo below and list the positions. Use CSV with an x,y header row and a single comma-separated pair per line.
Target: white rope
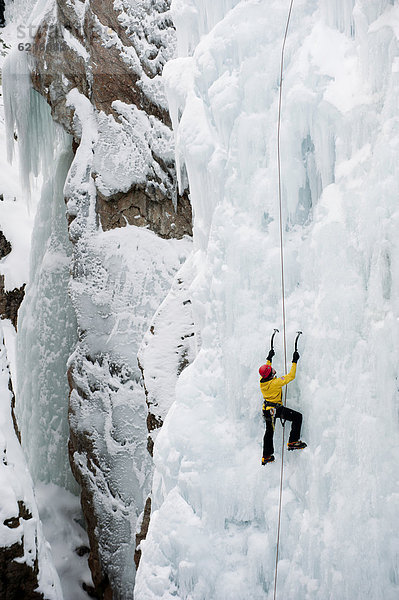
x,y
282,291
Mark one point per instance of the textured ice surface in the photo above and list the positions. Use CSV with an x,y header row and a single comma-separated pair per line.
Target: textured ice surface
x,y
27,115
47,324
213,527
168,347
62,520
46,337
15,217
17,497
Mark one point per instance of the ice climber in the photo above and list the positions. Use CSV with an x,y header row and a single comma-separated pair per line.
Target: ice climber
x,y
273,408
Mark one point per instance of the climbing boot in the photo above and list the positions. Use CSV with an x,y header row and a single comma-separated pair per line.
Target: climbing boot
x,y
267,459
296,445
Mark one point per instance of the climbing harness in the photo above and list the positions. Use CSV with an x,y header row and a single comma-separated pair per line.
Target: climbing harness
x,y
282,287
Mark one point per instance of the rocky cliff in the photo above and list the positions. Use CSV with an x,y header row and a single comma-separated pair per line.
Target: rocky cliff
x,y
98,65
10,300
113,54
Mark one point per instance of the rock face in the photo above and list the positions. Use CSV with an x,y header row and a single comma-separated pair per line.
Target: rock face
x,y
10,301
98,64
114,57
5,246
141,208
17,580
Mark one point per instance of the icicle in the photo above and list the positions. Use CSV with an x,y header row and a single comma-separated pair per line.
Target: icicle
x,y
29,124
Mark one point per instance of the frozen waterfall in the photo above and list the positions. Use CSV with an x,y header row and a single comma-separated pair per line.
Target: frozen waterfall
x,y
47,323
213,526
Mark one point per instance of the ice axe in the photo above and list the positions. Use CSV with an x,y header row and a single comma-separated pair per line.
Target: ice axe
x,y
272,340
296,340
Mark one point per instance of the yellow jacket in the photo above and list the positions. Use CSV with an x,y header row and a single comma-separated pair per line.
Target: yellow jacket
x,y
271,390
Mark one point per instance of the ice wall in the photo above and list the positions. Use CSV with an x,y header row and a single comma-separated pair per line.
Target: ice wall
x,y
168,347
46,337
213,526
47,323
27,569
29,117
26,564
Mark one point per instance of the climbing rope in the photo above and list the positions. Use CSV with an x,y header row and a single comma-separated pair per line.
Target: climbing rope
x,y
282,288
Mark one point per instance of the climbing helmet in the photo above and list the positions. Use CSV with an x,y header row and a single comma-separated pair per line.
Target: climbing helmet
x,y
264,371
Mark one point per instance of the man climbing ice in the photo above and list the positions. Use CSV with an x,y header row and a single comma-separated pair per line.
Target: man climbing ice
x,y
273,408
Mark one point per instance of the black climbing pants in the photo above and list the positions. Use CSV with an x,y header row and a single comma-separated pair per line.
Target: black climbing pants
x,y
286,414
2,9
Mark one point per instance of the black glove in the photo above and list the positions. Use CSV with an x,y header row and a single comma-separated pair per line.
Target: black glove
x,y
295,357
270,355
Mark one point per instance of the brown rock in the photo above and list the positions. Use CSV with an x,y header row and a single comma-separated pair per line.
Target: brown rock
x,y
17,580
10,301
5,246
146,206
143,531
103,77
14,418
102,587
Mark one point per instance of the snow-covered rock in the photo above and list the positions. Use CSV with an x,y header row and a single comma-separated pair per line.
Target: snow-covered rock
x,y
113,55
98,65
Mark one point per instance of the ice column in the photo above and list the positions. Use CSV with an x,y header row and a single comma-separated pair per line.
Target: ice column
x,y
47,325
